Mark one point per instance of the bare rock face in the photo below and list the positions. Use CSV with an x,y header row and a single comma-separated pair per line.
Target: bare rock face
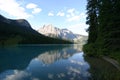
x,y
51,31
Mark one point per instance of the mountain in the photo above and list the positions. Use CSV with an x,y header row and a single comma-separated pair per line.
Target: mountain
x,y
20,32
20,22
51,31
51,56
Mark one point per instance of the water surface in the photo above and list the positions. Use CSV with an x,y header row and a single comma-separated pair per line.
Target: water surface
x,y
53,62
43,62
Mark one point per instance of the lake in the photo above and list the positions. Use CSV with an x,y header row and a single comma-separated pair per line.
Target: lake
x,y
47,62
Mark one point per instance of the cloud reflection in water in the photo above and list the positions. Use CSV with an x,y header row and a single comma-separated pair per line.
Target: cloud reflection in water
x,y
66,64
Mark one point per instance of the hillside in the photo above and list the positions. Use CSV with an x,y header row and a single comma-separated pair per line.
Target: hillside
x,y
20,32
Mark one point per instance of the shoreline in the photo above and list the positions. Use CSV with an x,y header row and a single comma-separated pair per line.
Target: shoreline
x,y
112,61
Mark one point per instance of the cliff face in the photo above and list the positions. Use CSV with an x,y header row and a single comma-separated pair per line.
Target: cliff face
x,y
51,31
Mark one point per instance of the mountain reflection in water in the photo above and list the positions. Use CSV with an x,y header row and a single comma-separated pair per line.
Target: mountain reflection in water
x,y
43,62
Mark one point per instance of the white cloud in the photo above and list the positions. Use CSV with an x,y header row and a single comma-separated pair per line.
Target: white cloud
x,y
12,7
31,6
67,15
74,70
71,11
60,14
17,75
77,62
36,10
50,14
76,17
79,28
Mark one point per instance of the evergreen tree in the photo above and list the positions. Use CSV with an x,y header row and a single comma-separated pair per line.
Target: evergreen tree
x,y
104,27
105,11
92,20
109,30
114,37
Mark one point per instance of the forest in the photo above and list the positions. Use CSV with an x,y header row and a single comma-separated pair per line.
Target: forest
x,y
103,18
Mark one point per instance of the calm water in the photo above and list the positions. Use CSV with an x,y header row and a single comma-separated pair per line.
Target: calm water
x,y
43,62
53,62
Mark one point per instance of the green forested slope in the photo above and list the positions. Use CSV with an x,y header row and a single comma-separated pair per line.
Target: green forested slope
x,y
104,28
13,33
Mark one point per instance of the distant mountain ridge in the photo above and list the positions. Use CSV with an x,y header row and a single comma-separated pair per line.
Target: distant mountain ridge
x,y
51,31
20,32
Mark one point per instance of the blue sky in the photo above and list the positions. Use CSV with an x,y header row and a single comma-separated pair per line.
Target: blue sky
x,y
70,14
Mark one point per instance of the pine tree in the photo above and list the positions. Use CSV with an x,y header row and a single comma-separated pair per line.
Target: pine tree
x,y
104,27
109,30
92,20
114,37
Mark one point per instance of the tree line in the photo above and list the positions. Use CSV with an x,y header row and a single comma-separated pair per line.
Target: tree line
x,y
103,18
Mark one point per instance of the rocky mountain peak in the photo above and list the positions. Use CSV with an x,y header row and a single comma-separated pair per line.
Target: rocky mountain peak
x,y
51,31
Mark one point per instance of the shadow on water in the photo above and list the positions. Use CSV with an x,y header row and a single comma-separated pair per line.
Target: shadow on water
x,y
43,62
101,69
